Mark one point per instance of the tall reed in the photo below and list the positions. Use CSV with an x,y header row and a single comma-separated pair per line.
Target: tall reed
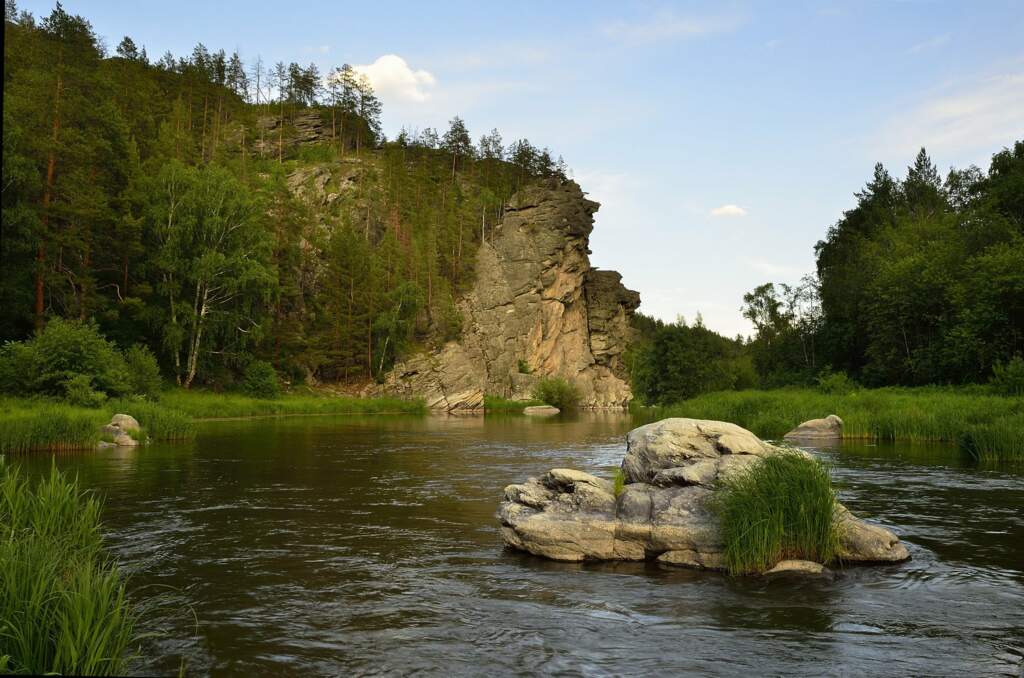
x,y
989,427
63,607
783,507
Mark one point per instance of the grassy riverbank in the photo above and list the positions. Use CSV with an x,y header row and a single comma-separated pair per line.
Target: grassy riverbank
x,y
63,608
987,426
28,424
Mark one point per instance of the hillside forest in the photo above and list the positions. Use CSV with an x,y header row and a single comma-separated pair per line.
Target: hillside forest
x,y
218,212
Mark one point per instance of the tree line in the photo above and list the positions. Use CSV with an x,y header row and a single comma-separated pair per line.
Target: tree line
x,y
158,200
920,282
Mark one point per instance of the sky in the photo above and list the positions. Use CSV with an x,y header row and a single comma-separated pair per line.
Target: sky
x,y
722,139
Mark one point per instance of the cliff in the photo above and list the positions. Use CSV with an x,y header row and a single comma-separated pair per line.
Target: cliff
x,y
537,309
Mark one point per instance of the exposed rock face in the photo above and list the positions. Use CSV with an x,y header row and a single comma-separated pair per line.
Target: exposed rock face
x,y
663,512
536,299
830,427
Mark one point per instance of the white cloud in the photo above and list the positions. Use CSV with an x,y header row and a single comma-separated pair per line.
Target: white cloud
x,y
394,80
970,118
667,25
930,44
729,211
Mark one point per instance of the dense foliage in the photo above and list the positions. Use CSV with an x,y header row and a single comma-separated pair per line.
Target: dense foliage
x,y
63,608
557,392
169,202
675,361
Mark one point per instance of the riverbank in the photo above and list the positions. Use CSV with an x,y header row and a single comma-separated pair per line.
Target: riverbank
x,y
986,426
34,424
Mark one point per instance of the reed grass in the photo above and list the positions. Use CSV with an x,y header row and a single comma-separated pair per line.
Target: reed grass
x,y
989,427
783,507
498,405
63,607
206,405
31,424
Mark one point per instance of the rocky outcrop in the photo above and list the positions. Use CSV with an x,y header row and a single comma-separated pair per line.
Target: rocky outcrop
x,y
537,309
663,511
829,428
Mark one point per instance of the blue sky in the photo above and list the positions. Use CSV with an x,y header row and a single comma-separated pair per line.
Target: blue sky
x,y
721,139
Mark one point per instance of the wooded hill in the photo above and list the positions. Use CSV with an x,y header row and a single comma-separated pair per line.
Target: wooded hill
x,y
219,211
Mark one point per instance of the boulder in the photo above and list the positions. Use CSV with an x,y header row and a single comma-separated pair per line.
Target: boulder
x,y
540,410
800,568
125,422
118,428
663,512
829,428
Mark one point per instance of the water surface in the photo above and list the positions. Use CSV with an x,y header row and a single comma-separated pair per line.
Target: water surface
x,y
368,545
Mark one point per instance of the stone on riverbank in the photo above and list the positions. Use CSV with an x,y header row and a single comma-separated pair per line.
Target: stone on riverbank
x,y
118,429
671,469
540,410
829,428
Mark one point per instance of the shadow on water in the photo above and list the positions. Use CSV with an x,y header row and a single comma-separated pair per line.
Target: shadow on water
x,y
325,545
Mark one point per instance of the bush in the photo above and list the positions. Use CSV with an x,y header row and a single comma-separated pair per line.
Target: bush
x,y
64,350
1008,377
783,507
260,380
63,608
143,371
523,366
78,391
835,383
557,392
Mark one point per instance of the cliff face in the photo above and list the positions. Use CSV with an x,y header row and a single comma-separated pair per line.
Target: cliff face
x,y
536,302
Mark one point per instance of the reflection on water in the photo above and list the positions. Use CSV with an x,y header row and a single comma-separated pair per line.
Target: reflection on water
x,y
325,545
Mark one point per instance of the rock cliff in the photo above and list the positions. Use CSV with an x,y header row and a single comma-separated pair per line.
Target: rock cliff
x,y
537,309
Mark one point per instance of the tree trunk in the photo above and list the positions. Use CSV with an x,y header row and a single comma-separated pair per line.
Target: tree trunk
x,y
51,169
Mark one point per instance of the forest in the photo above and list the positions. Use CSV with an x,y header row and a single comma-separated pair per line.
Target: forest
x,y
161,201
920,283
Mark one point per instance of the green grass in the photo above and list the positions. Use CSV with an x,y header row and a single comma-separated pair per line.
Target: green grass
x,y
33,424
62,599
498,405
206,405
783,507
989,427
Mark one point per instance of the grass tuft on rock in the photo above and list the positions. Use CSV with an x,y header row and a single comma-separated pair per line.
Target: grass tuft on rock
x,y
782,508
63,608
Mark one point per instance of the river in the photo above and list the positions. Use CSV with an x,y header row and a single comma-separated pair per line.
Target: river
x,y
368,545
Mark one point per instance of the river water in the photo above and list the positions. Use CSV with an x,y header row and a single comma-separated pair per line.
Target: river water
x,y
368,545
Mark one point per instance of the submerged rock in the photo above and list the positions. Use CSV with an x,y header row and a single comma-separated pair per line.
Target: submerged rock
x,y
540,410
830,427
671,469
802,568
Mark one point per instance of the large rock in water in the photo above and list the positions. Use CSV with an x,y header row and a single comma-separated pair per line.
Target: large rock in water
x,y
537,302
829,428
670,469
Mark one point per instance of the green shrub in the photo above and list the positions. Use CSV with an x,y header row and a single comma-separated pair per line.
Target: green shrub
x,y
64,350
260,380
63,607
835,383
143,371
78,391
523,366
1008,377
557,392
782,507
